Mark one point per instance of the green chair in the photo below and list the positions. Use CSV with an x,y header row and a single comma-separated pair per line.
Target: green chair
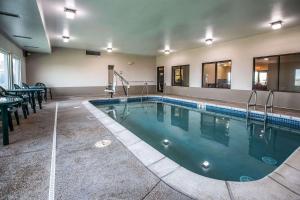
x,y
43,86
24,103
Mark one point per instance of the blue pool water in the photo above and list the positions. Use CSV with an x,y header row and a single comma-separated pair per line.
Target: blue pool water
x,y
207,143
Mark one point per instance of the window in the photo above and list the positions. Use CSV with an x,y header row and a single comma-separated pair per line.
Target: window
x,y
289,77
4,63
297,77
216,74
16,71
266,73
180,75
278,73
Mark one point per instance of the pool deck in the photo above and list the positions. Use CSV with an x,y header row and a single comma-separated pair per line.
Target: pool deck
x,y
126,169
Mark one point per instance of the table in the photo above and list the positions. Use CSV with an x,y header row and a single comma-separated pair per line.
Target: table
x,y
30,92
44,88
5,102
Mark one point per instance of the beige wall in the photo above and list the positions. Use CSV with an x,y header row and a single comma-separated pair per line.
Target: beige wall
x,y
10,47
241,53
73,68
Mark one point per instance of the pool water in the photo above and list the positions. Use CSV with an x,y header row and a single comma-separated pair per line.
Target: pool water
x,y
209,144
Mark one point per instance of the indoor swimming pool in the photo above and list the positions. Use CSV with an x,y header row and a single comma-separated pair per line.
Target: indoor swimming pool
x,y
212,144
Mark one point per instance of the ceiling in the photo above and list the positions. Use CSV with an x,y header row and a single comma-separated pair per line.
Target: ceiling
x,y
28,23
147,26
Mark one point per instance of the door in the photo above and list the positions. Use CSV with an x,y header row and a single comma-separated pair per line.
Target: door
x,y
160,79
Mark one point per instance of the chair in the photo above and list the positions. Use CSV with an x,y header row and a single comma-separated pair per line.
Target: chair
x,y
12,109
25,100
16,86
43,86
38,97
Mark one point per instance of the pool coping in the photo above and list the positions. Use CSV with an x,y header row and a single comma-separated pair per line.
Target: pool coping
x,y
282,183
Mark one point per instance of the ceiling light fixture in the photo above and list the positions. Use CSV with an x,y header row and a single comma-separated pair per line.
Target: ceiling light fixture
x,y
209,41
109,49
66,38
167,51
276,25
70,13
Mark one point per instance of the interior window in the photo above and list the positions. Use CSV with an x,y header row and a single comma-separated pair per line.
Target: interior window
x,y
289,77
223,74
16,71
209,75
266,73
4,69
216,75
180,75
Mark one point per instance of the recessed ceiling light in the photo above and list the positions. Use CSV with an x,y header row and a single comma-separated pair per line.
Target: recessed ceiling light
x,y
276,25
70,13
66,38
167,51
209,41
109,49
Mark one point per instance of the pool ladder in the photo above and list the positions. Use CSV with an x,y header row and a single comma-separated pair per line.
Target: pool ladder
x,y
249,104
268,105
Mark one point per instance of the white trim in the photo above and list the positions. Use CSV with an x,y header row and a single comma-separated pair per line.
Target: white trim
x,y
53,159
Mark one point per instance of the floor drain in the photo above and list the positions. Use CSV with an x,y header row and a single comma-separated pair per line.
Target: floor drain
x,y
102,143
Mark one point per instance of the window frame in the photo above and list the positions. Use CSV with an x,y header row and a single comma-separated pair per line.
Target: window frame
x,y
9,65
173,75
216,73
12,69
278,80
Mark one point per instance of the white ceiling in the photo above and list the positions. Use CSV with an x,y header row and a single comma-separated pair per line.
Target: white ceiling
x,y
147,26
29,24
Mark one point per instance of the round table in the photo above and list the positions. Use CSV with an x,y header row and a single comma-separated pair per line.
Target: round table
x,y
31,92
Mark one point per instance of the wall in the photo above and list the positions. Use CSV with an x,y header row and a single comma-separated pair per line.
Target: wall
x,y
241,53
10,47
72,72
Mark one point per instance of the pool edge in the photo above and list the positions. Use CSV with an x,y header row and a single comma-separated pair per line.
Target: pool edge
x,y
195,185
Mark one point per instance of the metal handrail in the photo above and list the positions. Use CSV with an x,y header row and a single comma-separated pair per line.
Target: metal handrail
x,y
269,105
147,92
123,80
249,102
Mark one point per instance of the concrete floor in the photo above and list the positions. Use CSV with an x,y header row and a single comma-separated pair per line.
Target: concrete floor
x,y
83,171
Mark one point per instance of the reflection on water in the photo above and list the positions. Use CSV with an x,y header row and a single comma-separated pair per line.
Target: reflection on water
x,y
229,148
215,128
180,117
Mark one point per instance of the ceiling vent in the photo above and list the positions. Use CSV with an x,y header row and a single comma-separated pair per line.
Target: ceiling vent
x,y
21,36
9,14
93,53
31,47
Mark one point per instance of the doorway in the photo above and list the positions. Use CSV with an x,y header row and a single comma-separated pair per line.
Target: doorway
x,y
160,79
